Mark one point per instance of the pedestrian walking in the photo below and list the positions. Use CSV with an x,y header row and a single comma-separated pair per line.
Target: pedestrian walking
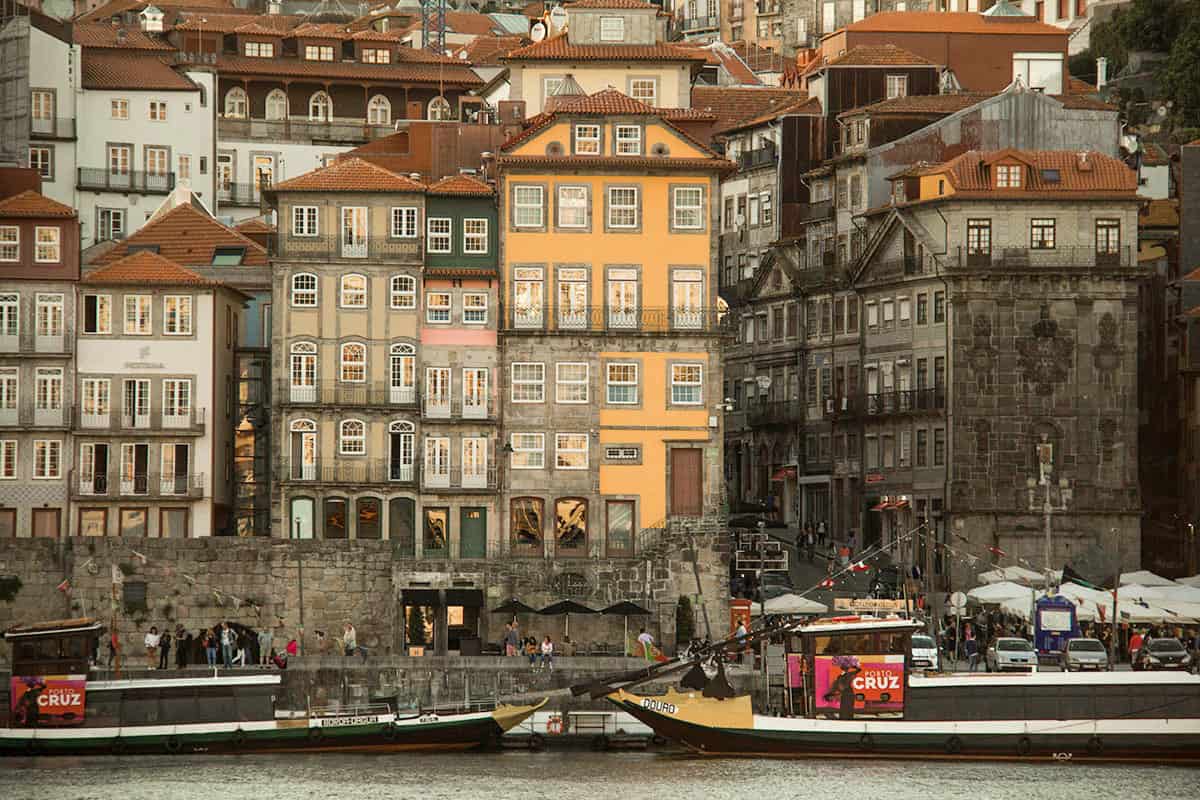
x,y
810,544
228,644
164,650
264,647
970,647
151,643
741,634
821,533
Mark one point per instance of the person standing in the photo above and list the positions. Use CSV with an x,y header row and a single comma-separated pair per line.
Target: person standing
x,y
349,639
151,643
164,650
228,644
512,640
810,544
264,647
741,634
1135,644
970,647
183,648
209,642
647,642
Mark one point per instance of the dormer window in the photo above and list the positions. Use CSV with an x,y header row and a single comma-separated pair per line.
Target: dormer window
x,y
322,52
612,29
587,140
372,55
260,49
1008,176
897,86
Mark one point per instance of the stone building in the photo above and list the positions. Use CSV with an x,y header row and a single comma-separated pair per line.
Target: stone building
x,y
39,266
785,26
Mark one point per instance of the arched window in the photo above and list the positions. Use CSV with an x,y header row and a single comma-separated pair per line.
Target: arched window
x,y
379,111
354,362
320,108
400,448
352,438
354,291
401,426
304,375
304,426
404,292
402,374
277,105
303,450
236,103
439,109
304,290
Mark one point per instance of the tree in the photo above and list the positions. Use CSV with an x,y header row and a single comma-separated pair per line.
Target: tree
x,y
685,622
416,626
1180,75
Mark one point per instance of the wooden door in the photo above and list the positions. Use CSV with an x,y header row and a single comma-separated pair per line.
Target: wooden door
x,y
687,482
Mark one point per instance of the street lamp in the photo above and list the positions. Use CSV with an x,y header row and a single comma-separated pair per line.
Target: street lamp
x,y
1045,458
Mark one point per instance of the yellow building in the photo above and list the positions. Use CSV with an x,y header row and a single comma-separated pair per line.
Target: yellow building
x,y
610,349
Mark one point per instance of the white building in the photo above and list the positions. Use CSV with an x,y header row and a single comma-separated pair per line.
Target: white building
x,y
153,432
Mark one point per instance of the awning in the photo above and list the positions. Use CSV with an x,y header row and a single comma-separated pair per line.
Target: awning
x,y
899,505
784,474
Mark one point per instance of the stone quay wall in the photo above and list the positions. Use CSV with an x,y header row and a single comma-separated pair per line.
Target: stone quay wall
x,y
197,583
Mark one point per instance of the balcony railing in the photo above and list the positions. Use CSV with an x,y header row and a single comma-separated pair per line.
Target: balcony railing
x,y
239,194
456,478
347,129
128,181
337,393
604,319
29,342
190,420
907,401
53,128
822,209
321,248
31,417
454,408
114,484
350,470
778,412
759,157
1026,257
686,25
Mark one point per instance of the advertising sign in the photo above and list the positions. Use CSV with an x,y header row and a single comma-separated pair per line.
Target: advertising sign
x,y
49,700
877,682
795,670
870,604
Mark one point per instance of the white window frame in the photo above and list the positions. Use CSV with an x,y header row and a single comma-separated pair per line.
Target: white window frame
x,y
157,111
437,307
897,86
697,208
627,140
10,243
352,364
652,100
525,205
612,206
439,235
349,296
566,388
612,29
587,144
609,383
304,297
404,222
176,399
475,242
526,383
8,459
475,308
527,448
354,443
10,314
183,315
688,385
10,389
575,204
47,453
118,108
49,314
142,306
305,221
563,448
403,296
103,303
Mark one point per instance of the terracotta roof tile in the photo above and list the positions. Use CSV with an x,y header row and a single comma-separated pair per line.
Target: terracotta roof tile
x,y
147,269
230,22
1159,214
801,105
605,101
878,55
618,163
256,28
470,23
1076,86
1153,155
31,204
323,30
1097,173
733,105
351,175
719,54
123,69
953,22
557,48
186,235
100,34
372,35
254,225
488,50
461,185
116,7
409,66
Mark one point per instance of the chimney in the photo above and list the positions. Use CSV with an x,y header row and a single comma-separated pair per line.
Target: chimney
x,y
1084,164
1101,72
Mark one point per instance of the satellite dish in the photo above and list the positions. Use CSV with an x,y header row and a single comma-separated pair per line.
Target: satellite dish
x,y
537,31
558,19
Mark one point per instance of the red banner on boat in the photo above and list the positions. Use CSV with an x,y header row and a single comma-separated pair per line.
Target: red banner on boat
x,y
48,700
876,682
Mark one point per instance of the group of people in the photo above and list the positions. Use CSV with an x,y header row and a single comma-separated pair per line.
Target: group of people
x,y
541,655
229,644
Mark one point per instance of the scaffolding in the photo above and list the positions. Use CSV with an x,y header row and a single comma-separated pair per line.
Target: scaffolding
x,y
433,25
14,83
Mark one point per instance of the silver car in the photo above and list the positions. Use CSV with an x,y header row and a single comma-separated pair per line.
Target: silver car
x,y
1011,653
1081,654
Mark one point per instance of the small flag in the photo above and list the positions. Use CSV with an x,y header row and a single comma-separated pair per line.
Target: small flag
x,y
826,584
859,566
996,551
65,586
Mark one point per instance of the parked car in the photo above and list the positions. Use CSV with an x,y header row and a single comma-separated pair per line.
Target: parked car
x,y
1162,653
1082,653
887,583
923,653
1011,653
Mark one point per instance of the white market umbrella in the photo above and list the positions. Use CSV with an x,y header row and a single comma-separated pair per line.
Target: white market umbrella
x,y
1075,592
1192,580
1144,577
1014,573
789,604
1174,594
995,593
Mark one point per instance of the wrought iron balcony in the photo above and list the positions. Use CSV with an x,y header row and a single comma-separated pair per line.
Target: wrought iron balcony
x,y
1079,257
908,401
31,343
771,413
53,128
340,129
695,24
349,470
106,180
239,194
323,248
112,483
760,157
337,393
822,209
456,479
453,408
117,420
612,320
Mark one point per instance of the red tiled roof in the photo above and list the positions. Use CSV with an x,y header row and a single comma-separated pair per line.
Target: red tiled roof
x,y
722,55
230,22
322,30
488,50
1159,214
145,268
1153,155
461,185
121,69
557,48
100,34
617,163
801,105
255,225
117,7
31,204
610,4
605,101
733,105
372,35
186,235
1083,102
952,22
351,175
256,28
1097,174
410,66
471,23
878,55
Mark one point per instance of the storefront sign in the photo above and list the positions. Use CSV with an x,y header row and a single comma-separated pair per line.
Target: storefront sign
x,y
50,700
870,604
876,681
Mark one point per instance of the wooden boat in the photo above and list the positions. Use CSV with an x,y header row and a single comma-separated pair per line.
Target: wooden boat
x,y
850,691
55,708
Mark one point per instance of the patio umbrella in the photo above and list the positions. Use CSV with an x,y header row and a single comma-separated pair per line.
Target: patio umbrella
x,y
626,609
996,593
1144,577
1012,573
566,608
513,606
792,604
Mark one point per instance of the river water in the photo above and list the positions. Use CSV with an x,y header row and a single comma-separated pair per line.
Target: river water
x,y
563,775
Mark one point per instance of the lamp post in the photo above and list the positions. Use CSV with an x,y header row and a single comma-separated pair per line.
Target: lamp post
x,y
1045,459
1191,546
